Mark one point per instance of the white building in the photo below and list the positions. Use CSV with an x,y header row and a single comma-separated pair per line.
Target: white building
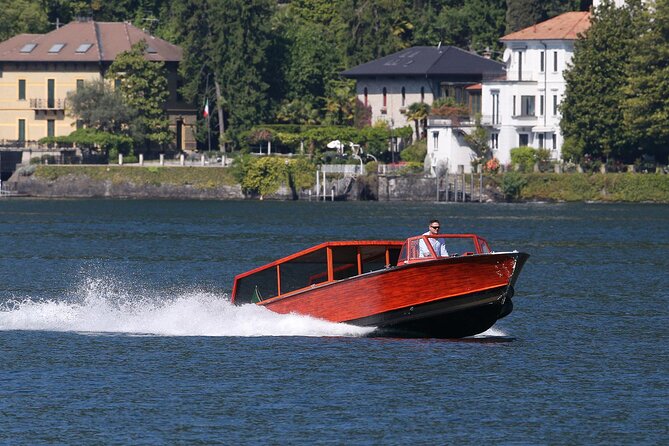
x,y
389,85
520,108
523,108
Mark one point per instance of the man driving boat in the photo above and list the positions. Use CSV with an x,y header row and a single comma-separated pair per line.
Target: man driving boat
x,y
438,244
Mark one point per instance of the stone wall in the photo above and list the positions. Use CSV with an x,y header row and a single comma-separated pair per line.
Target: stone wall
x,y
73,186
407,188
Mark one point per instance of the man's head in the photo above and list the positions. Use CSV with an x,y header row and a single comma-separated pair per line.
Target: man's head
x,y
434,226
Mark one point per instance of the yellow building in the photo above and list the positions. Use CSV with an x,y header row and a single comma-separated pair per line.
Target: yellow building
x,y
38,70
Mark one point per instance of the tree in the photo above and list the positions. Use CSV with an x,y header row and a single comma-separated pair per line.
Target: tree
x,y
522,13
21,16
592,108
372,29
417,112
310,61
646,100
478,143
189,24
100,106
264,175
340,102
241,36
143,84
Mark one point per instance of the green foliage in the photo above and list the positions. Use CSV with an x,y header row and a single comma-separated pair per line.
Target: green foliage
x,y
93,140
199,178
240,36
301,173
415,153
340,102
368,30
602,187
646,99
418,112
522,14
478,142
470,24
593,105
144,88
264,175
512,185
524,158
21,16
98,105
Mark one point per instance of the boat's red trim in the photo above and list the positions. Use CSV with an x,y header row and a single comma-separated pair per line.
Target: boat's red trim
x,y
389,243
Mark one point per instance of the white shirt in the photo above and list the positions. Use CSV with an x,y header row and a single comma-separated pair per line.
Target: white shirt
x,y
439,245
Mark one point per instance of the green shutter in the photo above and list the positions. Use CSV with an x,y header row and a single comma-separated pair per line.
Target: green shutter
x,y
22,89
22,129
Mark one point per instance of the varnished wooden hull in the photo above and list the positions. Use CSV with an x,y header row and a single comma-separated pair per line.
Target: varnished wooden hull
x,y
450,297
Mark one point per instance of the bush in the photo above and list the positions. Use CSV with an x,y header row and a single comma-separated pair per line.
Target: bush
x,y
415,153
523,158
264,175
301,173
512,185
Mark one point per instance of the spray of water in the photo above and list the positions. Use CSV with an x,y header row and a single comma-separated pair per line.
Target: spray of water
x,y
98,306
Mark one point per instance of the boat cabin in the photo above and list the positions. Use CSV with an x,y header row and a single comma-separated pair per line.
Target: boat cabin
x,y
333,261
327,262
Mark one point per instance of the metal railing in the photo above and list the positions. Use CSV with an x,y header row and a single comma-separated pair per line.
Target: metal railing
x,y
350,169
46,104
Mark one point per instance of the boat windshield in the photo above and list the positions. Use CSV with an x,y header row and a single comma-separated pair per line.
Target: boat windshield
x,y
431,247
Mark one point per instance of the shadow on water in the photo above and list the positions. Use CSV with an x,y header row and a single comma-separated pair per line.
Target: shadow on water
x,y
405,335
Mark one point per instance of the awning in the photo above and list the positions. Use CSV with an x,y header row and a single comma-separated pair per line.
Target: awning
x,y
540,129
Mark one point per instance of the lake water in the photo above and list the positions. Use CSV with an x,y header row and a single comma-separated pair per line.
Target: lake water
x,y
115,328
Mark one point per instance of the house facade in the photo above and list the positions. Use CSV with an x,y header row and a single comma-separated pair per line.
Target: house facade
x,y
522,109
37,71
389,85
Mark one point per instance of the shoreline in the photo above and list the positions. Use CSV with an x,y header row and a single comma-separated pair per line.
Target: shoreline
x,y
193,183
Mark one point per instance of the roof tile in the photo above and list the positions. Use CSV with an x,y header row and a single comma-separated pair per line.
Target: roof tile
x,y
107,40
566,26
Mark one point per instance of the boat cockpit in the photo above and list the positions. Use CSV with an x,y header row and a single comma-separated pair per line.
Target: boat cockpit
x,y
431,247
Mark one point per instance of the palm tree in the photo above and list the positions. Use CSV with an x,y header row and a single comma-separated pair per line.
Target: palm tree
x,y
417,112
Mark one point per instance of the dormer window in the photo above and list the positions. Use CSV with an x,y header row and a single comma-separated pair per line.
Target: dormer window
x,y
56,48
84,47
28,47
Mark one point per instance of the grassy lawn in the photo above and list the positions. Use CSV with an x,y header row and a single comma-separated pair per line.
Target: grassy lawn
x,y
199,177
602,187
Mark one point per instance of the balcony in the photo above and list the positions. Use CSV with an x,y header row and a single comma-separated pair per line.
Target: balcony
x,y
41,104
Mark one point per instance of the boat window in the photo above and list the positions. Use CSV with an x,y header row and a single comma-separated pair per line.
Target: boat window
x,y
304,271
344,262
374,257
257,287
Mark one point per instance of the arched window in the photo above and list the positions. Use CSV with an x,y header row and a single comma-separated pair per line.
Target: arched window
x,y
385,97
422,94
404,96
365,94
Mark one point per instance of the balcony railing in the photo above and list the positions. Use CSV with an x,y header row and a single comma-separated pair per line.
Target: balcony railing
x,y
46,104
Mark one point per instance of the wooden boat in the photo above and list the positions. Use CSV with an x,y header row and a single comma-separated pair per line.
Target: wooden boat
x,y
402,288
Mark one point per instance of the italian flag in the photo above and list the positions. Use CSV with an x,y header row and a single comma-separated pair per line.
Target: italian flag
x,y
205,112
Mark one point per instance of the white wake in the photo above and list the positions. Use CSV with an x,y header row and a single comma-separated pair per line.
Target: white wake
x,y
99,307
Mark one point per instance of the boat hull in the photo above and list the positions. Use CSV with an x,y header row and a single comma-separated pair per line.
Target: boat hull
x,y
450,297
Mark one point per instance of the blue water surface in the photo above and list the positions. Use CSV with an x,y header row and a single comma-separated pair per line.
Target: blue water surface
x,y
115,329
